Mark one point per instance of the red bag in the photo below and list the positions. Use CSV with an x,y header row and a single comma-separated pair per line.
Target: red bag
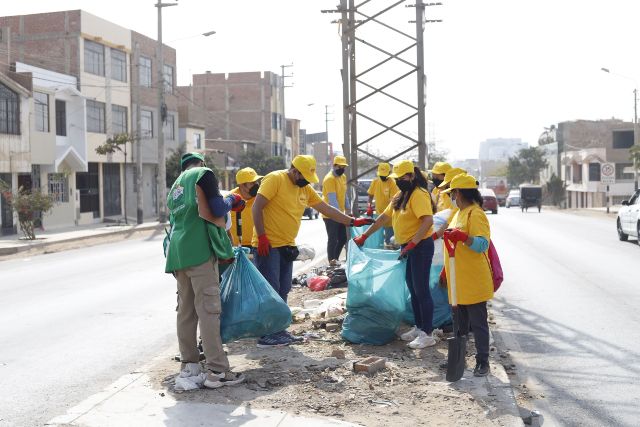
x,y
318,283
494,262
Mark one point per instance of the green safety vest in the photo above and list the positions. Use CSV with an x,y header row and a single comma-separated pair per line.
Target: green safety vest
x,y
192,240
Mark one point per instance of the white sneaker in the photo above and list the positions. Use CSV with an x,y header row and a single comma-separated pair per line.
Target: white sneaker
x,y
191,370
422,340
410,335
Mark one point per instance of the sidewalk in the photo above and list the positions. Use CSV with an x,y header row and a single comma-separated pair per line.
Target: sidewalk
x,y
73,237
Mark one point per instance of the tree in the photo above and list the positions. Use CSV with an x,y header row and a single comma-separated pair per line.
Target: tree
x,y
526,166
634,156
173,164
112,145
26,203
257,159
555,189
436,155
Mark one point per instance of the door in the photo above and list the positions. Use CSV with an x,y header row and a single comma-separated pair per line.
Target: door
x,y
111,189
625,214
634,215
6,214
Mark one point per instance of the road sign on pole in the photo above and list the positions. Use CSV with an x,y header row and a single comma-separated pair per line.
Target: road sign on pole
x,y
607,173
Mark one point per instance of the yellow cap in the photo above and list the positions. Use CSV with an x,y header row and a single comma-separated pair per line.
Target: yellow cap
x,y
384,169
402,168
452,173
247,175
463,182
440,168
306,165
340,161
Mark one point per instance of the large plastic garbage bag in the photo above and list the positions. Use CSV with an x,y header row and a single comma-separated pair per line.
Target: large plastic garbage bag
x,y
375,241
376,299
250,306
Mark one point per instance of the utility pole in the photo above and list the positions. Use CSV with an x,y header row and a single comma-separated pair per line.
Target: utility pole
x,y
138,136
162,113
422,144
283,133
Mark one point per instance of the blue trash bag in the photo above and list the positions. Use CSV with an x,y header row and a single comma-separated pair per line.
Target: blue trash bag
x,y
376,299
251,308
375,241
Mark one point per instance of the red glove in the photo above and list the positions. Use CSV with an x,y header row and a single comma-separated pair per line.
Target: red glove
x,y
359,222
434,236
442,281
360,239
369,210
406,249
237,202
263,245
456,235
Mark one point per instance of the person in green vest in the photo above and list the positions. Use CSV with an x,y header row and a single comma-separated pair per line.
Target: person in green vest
x,y
196,243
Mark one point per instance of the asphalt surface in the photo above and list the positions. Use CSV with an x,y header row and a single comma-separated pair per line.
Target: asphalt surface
x,y
568,312
73,322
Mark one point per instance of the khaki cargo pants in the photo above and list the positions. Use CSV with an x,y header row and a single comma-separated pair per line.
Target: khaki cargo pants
x,y
199,303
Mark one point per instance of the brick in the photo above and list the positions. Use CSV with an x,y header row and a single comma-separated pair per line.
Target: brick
x,y
338,353
332,327
370,365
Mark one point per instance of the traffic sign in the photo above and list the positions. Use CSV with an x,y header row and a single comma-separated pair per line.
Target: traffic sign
x,y
607,173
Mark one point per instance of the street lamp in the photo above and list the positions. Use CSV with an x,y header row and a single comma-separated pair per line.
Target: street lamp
x,y
635,118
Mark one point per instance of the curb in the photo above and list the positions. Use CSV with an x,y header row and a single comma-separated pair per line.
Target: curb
x,y
50,246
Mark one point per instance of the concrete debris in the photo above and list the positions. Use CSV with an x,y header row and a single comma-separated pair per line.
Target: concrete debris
x,y
370,365
338,353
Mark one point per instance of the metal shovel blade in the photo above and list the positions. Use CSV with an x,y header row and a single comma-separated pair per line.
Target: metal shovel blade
x,y
456,358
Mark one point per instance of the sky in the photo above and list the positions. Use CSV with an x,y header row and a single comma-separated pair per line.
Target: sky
x,y
495,68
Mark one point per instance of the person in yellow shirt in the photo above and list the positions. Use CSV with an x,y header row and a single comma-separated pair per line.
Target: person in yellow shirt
x,y
471,234
443,200
277,212
411,215
334,193
437,177
248,183
382,189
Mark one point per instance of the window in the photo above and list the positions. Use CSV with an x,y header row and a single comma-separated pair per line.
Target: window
x,y
594,172
168,79
61,118
197,141
119,119
276,121
577,174
59,187
96,117
170,127
41,111
118,65
146,124
93,58
144,71
620,171
9,111
622,139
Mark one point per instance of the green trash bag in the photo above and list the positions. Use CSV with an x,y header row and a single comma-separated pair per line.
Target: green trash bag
x,y
376,299
251,308
375,241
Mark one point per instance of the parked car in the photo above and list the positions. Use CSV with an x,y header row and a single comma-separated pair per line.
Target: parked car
x,y
363,196
530,196
311,213
489,200
628,222
513,199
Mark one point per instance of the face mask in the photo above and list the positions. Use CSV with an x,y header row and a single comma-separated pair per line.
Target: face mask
x,y
437,182
339,172
403,185
454,204
384,178
254,190
301,182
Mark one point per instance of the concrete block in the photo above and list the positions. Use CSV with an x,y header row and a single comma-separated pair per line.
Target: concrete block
x,y
332,327
370,365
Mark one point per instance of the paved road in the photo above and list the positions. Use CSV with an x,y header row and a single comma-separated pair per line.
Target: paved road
x,y
73,322
569,313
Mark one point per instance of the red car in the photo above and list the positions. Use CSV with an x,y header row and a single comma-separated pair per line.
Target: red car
x,y
490,202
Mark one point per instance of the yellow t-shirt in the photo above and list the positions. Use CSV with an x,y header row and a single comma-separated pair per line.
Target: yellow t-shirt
x,y
282,215
474,283
407,222
382,191
334,184
247,221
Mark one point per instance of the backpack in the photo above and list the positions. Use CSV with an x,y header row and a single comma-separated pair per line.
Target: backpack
x,y
494,262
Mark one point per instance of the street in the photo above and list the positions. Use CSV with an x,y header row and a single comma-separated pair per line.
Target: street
x,y
568,312
73,322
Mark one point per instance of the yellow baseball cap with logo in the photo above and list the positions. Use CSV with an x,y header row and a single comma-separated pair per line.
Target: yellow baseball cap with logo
x,y
452,173
384,169
462,182
440,168
247,175
402,168
340,161
306,165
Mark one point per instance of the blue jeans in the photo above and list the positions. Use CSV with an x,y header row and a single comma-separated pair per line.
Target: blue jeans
x,y
417,277
277,271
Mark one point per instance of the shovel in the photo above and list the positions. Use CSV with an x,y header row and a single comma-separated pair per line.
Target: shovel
x,y
457,344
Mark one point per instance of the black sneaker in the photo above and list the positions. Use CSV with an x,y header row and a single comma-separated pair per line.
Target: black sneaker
x,y
482,369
